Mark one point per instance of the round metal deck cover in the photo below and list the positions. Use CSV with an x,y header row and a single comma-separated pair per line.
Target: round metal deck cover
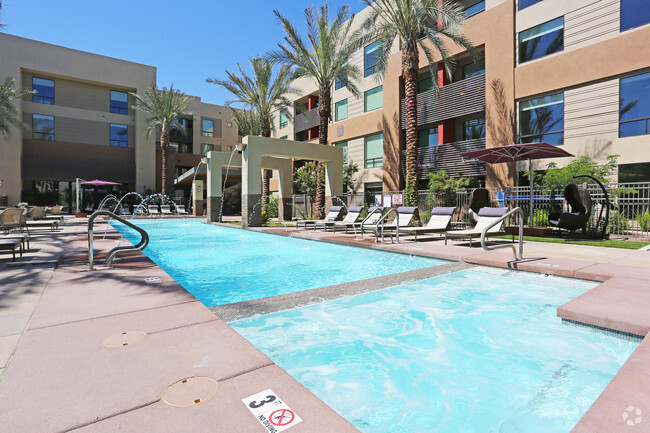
x,y
190,391
124,339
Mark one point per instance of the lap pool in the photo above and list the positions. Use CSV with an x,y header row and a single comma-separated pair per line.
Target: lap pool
x,y
222,265
479,350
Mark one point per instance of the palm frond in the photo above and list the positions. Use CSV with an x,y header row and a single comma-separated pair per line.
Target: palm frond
x,y
9,115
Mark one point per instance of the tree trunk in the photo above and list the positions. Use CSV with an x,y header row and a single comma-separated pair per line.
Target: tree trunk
x,y
164,146
266,174
324,113
410,63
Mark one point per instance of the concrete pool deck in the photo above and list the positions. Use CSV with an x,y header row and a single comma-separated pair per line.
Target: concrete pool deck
x,y
57,373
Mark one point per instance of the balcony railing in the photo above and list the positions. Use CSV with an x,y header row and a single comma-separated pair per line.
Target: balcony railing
x,y
446,157
305,121
456,99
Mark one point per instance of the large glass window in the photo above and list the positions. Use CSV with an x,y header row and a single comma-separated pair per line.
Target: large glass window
x,y
343,145
182,147
474,128
523,4
44,90
634,109
373,99
342,80
473,69
542,119
428,137
425,84
637,172
341,110
634,13
119,135
207,128
475,9
119,102
284,118
205,148
42,127
374,150
541,40
370,58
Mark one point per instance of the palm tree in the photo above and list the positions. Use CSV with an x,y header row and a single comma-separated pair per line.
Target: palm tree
x,y
331,44
261,92
166,108
9,115
248,122
419,24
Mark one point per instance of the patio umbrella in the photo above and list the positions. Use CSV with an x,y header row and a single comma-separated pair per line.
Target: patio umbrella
x,y
518,152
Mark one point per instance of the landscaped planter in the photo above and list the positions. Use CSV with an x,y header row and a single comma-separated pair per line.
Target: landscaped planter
x,y
530,231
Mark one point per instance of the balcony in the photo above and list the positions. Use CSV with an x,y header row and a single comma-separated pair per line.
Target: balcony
x,y
455,99
446,157
307,120
178,136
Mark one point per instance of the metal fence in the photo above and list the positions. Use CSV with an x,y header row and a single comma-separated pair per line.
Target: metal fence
x,y
629,209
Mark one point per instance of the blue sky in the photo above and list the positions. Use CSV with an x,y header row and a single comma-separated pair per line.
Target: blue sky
x,y
187,41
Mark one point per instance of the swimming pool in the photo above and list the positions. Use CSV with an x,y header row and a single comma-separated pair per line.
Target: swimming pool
x,y
222,265
479,350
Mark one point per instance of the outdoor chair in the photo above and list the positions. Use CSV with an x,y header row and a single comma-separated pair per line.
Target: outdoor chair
x,y
438,223
180,209
486,217
53,213
11,244
165,210
478,199
580,204
405,215
37,215
153,209
139,209
12,226
124,209
353,215
372,217
334,214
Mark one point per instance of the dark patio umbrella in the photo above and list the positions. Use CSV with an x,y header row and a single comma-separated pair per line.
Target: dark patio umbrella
x,y
518,152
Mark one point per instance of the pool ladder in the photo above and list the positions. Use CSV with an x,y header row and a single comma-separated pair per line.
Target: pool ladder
x,y
117,250
516,255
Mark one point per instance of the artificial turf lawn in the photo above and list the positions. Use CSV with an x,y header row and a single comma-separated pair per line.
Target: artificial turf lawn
x,y
609,243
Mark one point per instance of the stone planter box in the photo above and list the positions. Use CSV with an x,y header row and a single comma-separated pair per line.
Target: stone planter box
x,y
530,231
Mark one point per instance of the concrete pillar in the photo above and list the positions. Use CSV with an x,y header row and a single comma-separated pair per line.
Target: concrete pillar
x,y
285,191
197,198
251,195
215,189
333,181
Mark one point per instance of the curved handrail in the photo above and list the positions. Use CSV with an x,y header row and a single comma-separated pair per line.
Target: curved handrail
x,y
144,241
368,217
521,234
382,220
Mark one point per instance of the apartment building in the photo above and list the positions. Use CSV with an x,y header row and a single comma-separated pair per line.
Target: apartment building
x,y
571,73
83,126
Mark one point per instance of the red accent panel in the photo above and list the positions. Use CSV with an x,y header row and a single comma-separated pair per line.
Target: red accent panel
x,y
446,132
313,133
312,102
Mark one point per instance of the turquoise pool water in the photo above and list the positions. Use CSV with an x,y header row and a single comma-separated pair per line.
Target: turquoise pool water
x,y
475,351
222,265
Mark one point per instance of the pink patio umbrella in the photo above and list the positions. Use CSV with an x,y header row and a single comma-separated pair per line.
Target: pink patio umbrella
x,y
518,152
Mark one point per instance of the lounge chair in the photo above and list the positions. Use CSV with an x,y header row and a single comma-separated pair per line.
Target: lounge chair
x,y
124,209
180,209
11,222
165,210
353,215
404,217
579,200
12,244
139,209
438,223
486,217
333,215
53,213
153,209
478,199
372,217
37,215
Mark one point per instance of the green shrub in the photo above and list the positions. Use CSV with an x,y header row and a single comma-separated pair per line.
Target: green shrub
x,y
617,223
644,221
540,218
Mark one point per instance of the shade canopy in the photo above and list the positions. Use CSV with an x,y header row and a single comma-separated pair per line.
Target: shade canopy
x,y
517,152
98,182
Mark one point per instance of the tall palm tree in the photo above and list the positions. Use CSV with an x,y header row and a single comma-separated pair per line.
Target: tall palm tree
x,y
419,24
248,122
166,108
263,93
331,44
9,115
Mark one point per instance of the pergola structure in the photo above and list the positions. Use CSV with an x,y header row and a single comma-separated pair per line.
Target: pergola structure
x,y
260,153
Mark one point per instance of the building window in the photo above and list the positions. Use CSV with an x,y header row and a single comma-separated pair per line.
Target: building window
x,y
205,148
373,99
374,150
119,102
302,136
284,118
371,58
425,84
634,13
119,135
474,128
343,145
341,110
228,147
474,69
207,128
634,109
284,137
475,9
541,40
42,127
637,172
542,119
428,137
229,124
181,147
342,81
523,4
44,91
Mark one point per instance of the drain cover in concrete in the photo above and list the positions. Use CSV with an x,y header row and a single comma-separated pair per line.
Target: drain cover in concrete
x,y
126,338
190,391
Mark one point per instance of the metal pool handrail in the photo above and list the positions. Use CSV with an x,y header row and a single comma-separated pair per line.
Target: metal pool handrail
x,y
117,250
521,234
382,220
368,217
